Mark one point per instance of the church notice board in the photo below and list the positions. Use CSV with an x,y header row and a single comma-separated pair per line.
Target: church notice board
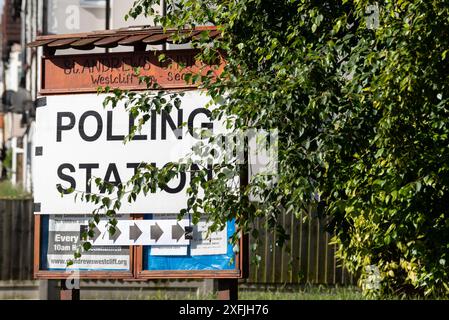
x,y
77,139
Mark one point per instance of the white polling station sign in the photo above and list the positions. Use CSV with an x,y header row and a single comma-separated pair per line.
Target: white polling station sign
x,y
77,139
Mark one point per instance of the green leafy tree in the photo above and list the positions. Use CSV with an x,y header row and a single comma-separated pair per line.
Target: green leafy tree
x,y
360,102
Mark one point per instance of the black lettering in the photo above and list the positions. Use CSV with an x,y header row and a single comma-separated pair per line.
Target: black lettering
x,y
60,126
153,124
83,118
112,170
65,177
166,118
208,125
133,165
88,167
179,188
136,136
109,135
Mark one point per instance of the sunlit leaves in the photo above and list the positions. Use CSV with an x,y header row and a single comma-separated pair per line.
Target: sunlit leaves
x,y
362,116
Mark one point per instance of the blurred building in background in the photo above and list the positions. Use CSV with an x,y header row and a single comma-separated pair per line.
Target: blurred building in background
x,y
21,22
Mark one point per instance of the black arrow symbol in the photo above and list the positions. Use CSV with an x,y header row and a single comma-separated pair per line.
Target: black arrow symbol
x,y
134,232
156,232
97,233
85,228
116,234
177,232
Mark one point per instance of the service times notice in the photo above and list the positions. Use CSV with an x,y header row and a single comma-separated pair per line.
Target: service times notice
x,y
64,237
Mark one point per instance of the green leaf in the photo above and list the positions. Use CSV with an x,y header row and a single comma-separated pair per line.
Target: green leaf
x,y
87,246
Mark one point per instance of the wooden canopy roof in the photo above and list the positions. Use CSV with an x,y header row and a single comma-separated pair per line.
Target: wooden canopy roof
x,y
137,37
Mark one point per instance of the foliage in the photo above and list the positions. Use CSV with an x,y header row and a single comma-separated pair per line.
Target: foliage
x,y
7,162
393,194
10,191
363,126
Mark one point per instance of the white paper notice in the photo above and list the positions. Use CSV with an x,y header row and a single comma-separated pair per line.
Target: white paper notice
x,y
168,250
215,243
63,238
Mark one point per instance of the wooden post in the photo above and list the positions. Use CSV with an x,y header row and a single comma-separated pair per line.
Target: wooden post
x,y
228,289
68,293
49,290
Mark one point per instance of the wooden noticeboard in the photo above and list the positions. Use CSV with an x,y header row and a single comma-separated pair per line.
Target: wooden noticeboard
x,y
84,73
136,268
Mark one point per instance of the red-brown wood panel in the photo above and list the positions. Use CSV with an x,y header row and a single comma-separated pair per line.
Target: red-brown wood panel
x,y
87,72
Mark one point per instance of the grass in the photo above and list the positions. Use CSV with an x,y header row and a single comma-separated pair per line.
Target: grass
x,y
305,293
10,191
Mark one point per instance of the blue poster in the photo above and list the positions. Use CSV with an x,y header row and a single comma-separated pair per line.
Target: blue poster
x,y
189,261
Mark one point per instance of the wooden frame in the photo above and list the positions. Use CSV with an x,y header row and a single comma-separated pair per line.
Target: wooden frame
x,y
136,271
